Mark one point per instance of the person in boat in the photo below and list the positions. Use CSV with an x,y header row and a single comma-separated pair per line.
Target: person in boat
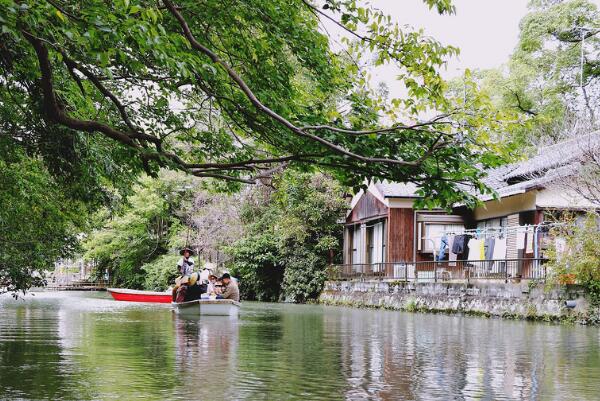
x,y
180,291
195,288
212,287
205,272
185,266
231,290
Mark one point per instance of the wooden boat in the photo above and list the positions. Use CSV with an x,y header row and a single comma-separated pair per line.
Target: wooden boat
x,y
207,307
123,294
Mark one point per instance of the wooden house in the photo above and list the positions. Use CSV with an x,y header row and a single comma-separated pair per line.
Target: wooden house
x,y
383,227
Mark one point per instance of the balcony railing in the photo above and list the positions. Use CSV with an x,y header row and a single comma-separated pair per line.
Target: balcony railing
x,y
462,270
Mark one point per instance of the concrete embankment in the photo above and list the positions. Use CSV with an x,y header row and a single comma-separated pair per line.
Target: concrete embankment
x,y
508,300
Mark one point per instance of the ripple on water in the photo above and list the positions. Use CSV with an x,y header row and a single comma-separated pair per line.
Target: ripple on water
x,y
86,346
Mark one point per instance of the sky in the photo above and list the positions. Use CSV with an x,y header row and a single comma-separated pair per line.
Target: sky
x,y
485,31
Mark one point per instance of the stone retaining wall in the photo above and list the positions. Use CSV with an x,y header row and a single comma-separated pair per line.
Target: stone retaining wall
x,y
519,301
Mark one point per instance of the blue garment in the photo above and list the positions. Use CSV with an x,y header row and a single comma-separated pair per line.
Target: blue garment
x,y
443,246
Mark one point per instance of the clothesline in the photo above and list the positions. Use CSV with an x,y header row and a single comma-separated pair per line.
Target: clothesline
x,y
527,238
495,230
481,231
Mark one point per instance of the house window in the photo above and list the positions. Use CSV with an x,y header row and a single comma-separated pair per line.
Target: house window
x,y
493,223
432,234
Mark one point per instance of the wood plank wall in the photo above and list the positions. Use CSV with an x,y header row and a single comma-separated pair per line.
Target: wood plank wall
x,y
400,234
368,206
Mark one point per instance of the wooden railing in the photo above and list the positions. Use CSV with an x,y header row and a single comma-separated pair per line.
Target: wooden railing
x,y
462,270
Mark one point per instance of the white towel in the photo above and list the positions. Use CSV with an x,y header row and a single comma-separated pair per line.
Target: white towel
x,y
529,241
474,249
560,244
499,255
500,249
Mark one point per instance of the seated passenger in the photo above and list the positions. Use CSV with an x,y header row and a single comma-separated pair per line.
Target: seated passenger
x,y
212,285
181,290
204,273
231,290
195,288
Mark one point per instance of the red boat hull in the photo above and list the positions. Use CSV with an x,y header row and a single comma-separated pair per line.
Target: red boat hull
x,y
141,296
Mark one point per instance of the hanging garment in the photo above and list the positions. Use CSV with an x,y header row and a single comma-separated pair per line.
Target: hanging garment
x,y
521,238
451,255
529,240
474,249
560,244
443,246
499,251
489,248
459,246
482,249
543,229
499,255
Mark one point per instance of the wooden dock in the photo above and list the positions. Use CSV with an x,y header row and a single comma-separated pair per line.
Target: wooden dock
x,y
79,285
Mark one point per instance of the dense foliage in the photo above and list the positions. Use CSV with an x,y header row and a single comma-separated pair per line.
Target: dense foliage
x,y
276,239
580,261
232,90
160,273
552,80
36,226
95,92
139,234
290,236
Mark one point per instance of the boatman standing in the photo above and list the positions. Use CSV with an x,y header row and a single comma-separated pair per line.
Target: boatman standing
x,y
185,266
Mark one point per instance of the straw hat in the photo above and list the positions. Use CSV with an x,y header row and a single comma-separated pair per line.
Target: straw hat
x,y
191,251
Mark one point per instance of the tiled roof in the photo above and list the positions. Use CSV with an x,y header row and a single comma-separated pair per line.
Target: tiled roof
x,y
397,189
556,155
550,163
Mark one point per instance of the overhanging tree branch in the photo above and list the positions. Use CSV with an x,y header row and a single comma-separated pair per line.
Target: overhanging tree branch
x,y
54,110
263,108
56,113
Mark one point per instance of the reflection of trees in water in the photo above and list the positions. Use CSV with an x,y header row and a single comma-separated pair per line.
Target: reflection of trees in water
x,y
278,352
128,352
206,356
286,353
30,353
406,356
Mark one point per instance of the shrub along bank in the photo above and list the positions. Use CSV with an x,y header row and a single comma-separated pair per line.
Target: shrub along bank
x,y
290,235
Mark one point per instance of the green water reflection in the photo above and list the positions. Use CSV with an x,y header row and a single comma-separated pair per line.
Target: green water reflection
x,y
69,346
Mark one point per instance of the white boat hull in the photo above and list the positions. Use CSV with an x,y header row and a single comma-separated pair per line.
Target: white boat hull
x,y
207,307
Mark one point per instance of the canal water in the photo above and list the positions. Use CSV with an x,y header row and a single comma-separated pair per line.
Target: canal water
x,y
85,346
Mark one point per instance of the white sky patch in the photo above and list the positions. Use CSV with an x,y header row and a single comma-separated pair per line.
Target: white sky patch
x,y
485,31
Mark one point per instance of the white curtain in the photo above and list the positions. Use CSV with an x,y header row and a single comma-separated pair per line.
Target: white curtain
x,y
377,256
356,245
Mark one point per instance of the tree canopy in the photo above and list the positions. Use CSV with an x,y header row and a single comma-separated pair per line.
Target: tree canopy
x,y
36,227
233,90
95,93
290,235
552,80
